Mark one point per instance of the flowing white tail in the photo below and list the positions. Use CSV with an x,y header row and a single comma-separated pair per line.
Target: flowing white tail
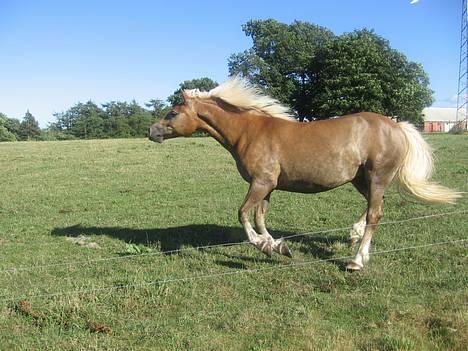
x,y
417,168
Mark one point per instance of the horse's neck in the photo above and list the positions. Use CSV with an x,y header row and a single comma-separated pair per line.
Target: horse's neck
x,y
220,124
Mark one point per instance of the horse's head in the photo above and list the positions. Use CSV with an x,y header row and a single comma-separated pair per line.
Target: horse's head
x,y
181,121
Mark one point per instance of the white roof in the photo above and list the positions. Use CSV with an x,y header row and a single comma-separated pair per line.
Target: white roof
x,y
440,114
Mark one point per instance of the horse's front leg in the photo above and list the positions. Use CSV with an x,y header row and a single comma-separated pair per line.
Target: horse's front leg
x,y
257,192
278,245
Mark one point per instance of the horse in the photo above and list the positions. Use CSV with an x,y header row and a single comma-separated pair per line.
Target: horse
x,y
274,151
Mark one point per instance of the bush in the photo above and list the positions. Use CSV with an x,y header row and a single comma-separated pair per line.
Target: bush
x,y
6,135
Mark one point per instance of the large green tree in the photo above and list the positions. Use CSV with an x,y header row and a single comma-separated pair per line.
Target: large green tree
x,y
321,75
29,127
203,84
359,71
281,59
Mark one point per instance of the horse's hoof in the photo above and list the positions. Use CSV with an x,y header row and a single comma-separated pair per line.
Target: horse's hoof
x,y
354,266
283,249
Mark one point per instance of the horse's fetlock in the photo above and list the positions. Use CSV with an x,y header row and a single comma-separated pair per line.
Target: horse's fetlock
x,y
374,217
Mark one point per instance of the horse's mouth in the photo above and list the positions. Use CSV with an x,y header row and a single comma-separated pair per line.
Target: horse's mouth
x,y
157,139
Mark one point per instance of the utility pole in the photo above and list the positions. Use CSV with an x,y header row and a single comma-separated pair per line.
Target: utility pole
x,y
462,96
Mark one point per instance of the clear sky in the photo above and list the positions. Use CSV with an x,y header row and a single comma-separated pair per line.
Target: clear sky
x,y
54,54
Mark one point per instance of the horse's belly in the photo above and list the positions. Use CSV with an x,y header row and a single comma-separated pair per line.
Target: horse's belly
x,y
314,182
302,187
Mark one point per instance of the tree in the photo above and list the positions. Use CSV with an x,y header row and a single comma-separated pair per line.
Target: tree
x,y
29,127
359,71
203,84
64,122
83,120
116,115
5,133
280,59
139,120
89,123
13,125
158,108
322,75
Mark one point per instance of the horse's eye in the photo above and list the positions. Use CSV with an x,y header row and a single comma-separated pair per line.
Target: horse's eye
x,y
171,115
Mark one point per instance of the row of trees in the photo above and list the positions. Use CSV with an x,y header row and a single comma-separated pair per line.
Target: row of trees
x,y
86,121
305,66
118,119
89,121
110,120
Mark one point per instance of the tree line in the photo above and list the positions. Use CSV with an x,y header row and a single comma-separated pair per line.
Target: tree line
x,y
115,119
86,121
305,66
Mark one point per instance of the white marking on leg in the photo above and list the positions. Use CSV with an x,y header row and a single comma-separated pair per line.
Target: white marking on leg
x,y
357,232
251,234
358,260
364,252
260,241
362,256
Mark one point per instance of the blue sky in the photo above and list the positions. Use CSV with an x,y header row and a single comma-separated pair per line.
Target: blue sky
x,y
54,54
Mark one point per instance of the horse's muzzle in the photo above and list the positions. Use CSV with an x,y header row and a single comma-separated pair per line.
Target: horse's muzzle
x,y
156,134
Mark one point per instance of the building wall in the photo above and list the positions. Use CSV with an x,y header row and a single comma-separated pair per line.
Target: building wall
x,y
431,127
448,126
435,126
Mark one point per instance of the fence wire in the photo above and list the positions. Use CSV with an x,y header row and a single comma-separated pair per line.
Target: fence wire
x,y
298,265
209,247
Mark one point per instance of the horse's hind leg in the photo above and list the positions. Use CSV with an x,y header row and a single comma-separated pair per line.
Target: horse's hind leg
x,y
358,229
378,182
374,213
278,245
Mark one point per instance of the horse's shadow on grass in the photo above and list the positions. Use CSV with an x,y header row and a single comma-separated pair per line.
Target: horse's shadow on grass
x,y
170,240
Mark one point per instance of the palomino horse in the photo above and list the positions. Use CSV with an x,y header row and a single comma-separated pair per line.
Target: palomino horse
x,y
274,151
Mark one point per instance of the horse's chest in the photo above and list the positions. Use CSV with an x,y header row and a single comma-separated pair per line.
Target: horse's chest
x,y
254,164
244,172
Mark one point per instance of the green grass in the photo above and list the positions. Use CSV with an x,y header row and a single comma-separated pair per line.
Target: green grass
x,y
135,199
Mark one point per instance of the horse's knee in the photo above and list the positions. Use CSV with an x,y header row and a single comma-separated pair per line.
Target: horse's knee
x,y
374,215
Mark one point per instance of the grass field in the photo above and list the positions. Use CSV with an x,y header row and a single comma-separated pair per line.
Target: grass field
x,y
83,224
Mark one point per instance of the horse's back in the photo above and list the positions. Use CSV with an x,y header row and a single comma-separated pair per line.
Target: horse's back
x,y
366,130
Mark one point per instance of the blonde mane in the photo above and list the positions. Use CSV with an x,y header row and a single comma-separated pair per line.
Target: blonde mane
x,y
240,93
